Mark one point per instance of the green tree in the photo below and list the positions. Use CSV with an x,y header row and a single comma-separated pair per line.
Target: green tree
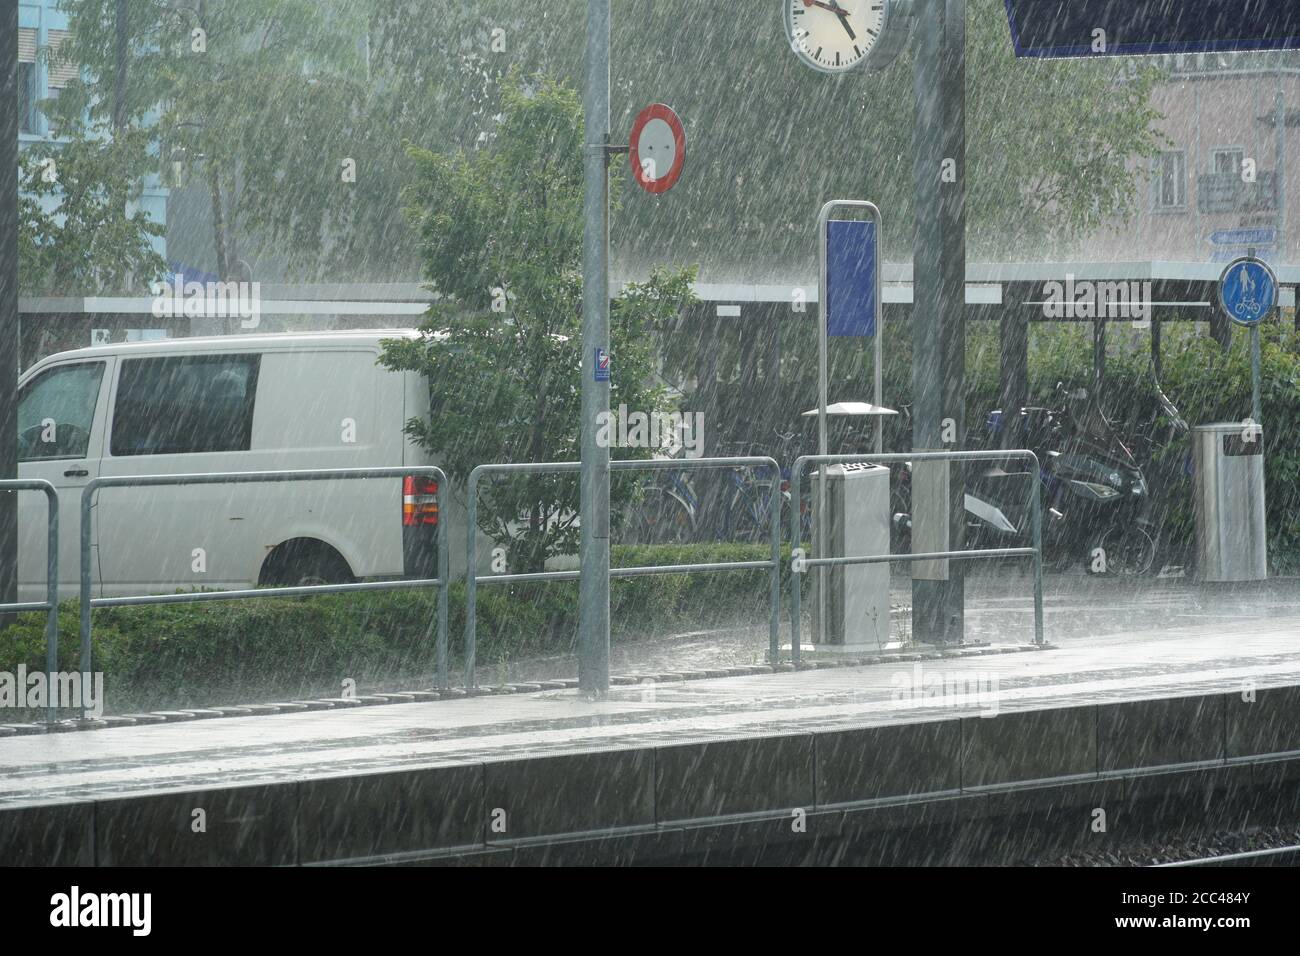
x,y
262,101
500,233
79,231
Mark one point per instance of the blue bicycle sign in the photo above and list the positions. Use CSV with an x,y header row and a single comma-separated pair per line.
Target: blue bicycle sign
x,y
1248,291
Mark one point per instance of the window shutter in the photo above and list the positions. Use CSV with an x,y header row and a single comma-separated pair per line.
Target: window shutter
x,y
26,45
61,72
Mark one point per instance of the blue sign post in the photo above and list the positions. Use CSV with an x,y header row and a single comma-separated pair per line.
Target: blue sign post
x,y
1056,29
1248,293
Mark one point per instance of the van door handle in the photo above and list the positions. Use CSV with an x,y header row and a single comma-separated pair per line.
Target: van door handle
x,y
76,473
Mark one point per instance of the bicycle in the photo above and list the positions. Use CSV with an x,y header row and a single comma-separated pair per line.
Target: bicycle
x,y
748,510
666,511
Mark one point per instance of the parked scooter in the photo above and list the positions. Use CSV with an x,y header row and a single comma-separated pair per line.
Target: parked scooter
x,y
1094,492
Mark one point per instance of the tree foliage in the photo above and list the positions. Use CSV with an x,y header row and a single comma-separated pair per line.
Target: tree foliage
x,y
500,235
79,229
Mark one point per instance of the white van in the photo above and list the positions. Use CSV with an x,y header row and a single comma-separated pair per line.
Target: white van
x,y
233,403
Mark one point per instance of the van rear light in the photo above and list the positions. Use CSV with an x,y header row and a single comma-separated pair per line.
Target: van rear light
x,y
419,501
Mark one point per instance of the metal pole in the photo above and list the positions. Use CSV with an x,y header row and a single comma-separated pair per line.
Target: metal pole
x,y
444,587
774,625
8,299
1256,413
52,598
819,512
593,548
1280,172
87,496
939,277
471,578
879,389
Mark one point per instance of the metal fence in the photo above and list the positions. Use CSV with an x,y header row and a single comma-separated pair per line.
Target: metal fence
x,y
1036,527
51,603
249,477
472,579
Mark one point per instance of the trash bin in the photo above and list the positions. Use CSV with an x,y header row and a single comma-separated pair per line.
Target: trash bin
x,y
857,595
1228,460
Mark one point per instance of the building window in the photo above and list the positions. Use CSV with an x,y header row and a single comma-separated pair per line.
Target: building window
x,y
28,117
1170,176
1227,161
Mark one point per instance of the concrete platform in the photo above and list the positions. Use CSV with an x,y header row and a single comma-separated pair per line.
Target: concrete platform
x,y
302,786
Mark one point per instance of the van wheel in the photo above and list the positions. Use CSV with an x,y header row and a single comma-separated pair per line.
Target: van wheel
x,y
302,562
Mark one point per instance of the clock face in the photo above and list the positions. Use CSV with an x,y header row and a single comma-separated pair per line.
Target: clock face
x,y
835,35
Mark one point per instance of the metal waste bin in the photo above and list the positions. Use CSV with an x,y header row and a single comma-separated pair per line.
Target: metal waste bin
x,y
1231,543
857,595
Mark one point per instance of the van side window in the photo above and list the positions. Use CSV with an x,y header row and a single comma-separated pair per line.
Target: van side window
x,y
55,412
184,405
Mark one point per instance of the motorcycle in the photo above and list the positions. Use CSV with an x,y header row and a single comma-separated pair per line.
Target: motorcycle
x,y
1094,492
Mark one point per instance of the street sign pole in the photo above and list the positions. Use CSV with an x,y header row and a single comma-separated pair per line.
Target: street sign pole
x,y
1248,294
939,311
593,547
1256,410
1256,373
9,100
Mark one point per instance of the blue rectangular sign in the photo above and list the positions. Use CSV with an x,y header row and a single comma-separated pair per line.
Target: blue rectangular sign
x,y
851,252
1069,28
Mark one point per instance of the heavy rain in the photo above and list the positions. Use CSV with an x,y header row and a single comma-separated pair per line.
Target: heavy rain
x,y
924,491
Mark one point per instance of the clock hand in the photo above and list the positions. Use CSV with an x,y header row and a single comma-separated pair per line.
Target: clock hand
x,y
836,9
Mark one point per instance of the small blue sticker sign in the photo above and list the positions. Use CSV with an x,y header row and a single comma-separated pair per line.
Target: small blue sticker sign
x,y
1248,291
602,365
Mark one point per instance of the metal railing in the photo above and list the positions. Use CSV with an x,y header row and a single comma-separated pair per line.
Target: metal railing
x,y
1036,525
51,603
472,579
249,477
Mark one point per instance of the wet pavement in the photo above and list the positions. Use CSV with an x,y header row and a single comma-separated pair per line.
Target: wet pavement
x,y
1171,640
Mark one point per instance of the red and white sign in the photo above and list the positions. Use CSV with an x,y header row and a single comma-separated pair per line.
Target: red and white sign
x,y
658,150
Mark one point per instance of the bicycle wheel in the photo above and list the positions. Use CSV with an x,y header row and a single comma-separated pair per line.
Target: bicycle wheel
x,y
661,518
747,519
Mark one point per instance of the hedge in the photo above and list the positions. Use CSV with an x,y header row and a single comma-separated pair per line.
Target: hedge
x,y
225,652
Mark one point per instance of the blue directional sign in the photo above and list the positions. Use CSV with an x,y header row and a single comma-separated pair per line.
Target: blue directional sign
x,y
1071,28
851,272
1243,237
1248,291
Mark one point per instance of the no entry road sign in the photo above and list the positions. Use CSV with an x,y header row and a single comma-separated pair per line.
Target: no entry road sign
x,y
1056,28
658,148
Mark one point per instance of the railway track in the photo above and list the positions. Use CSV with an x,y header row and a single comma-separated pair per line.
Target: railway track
x,y
1277,856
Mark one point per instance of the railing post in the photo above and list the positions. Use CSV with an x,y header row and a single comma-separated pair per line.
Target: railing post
x,y
87,494
774,627
52,598
444,579
1036,511
471,576
796,580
